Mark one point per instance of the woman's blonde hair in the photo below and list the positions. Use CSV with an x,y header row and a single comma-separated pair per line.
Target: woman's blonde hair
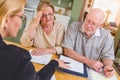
x,y
9,7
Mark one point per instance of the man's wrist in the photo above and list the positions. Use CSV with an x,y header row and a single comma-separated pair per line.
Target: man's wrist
x,y
108,65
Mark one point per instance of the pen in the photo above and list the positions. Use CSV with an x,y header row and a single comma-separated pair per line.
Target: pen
x,y
99,57
110,70
67,62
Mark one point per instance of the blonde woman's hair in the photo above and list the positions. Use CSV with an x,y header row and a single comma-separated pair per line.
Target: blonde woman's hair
x,y
45,3
9,7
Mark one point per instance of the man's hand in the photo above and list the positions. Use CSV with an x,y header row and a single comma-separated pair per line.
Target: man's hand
x,y
96,65
108,67
108,71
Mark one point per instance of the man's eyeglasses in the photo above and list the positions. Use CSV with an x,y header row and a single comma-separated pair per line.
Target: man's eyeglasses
x,y
23,17
91,23
49,14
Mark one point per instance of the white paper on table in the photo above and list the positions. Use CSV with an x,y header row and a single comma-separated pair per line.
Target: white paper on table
x,y
75,65
93,75
42,59
53,78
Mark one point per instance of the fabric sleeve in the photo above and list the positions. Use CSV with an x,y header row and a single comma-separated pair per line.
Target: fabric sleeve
x,y
70,36
59,38
25,39
24,69
47,72
108,49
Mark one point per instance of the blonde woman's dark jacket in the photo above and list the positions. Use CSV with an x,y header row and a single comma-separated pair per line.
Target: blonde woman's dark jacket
x,y
15,65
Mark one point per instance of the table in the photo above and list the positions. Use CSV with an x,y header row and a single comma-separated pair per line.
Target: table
x,y
58,75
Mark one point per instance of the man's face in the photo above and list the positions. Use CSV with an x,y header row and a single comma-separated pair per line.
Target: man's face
x,y
91,24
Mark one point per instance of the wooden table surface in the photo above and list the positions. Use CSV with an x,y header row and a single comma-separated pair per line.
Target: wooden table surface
x,y
58,74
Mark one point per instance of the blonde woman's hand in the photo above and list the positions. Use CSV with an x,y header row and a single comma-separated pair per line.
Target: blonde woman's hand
x,y
62,64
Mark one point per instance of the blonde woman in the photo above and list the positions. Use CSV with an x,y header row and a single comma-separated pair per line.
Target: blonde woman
x,y
14,61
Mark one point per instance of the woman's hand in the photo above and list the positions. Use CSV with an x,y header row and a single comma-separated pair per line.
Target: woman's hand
x,y
38,16
33,24
40,51
62,64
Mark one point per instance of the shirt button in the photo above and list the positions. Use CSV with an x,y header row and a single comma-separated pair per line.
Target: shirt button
x,y
87,45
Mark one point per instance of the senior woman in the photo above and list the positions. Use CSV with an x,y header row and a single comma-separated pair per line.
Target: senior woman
x,y
43,32
14,61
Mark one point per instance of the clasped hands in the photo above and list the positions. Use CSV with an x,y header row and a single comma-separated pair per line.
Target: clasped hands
x,y
98,66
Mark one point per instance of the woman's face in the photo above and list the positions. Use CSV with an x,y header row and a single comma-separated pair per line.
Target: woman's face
x,y
13,24
47,16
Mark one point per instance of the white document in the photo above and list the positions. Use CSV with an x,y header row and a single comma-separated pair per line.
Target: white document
x,y
42,59
93,75
75,65
53,78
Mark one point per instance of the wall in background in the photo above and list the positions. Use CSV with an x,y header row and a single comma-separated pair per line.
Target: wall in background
x,y
62,3
75,13
110,7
